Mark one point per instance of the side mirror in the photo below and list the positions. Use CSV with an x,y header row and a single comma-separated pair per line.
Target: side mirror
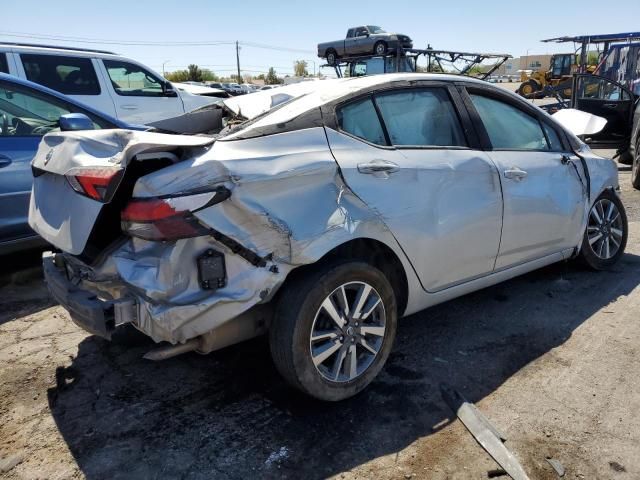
x,y
366,34
168,90
74,122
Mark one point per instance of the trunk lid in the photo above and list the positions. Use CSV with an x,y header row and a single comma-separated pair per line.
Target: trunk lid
x,y
66,218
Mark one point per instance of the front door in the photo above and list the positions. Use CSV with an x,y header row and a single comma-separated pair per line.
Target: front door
x,y
608,99
414,167
542,192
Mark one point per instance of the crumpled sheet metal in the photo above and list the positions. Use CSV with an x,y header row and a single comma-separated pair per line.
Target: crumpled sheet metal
x,y
290,209
173,307
108,147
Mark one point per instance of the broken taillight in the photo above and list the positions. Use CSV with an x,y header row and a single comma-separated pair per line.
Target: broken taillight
x,y
169,217
97,183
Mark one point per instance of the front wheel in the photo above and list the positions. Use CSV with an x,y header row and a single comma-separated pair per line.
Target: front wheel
x,y
605,237
527,88
334,329
635,168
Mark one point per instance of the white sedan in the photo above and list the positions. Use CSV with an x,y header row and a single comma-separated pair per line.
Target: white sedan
x,y
320,215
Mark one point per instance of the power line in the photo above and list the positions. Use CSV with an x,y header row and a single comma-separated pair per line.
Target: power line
x,y
102,41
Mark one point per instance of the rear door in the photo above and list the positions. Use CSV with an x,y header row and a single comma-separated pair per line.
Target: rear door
x,y
407,155
608,99
70,75
140,96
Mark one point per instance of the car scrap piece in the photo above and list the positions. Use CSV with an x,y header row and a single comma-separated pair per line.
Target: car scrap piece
x,y
484,433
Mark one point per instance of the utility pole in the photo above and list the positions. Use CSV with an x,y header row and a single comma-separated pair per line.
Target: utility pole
x,y
238,60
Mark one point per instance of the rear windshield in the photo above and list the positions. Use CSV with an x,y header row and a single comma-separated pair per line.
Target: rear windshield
x,y
68,75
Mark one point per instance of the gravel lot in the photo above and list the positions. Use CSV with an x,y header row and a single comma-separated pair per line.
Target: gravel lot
x,y
551,358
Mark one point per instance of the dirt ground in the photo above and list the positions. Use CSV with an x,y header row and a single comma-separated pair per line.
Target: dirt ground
x,y
551,358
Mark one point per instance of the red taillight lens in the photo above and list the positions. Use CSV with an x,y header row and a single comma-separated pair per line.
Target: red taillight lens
x,y
98,183
168,218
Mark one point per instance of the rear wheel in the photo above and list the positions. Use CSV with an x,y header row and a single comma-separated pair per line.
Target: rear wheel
x,y
334,329
605,237
380,48
332,57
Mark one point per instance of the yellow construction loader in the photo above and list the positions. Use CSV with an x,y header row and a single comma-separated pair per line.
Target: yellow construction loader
x,y
560,71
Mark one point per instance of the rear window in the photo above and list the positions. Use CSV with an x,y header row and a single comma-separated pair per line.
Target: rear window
x,y
4,66
361,120
68,75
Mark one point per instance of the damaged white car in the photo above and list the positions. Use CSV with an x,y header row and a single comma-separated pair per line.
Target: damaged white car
x,y
320,220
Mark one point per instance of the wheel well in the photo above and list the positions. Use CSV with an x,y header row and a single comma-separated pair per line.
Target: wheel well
x,y
374,253
329,50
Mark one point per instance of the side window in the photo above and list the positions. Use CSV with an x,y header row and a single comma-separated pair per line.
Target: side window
x,y
509,128
360,119
421,118
554,140
129,79
600,89
68,75
4,65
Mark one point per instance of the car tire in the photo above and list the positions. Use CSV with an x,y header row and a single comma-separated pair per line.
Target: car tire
x,y
305,329
626,158
605,236
380,48
635,167
332,57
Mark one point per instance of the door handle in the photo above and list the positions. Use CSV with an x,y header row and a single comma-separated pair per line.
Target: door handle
x,y
515,173
4,161
129,107
378,166
610,105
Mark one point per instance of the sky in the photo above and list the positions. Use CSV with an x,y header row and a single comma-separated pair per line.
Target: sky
x,y
295,28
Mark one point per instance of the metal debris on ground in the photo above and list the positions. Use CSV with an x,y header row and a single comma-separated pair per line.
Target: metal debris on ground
x,y
556,465
484,432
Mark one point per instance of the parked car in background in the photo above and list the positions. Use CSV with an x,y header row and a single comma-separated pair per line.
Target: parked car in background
x,y
110,83
200,89
215,85
27,112
363,40
249,88
320,220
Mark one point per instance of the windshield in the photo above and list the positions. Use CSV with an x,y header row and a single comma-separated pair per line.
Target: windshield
x,y
374,29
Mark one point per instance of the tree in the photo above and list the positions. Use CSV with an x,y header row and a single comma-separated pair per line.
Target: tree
x,y
300,68
177,76
195,74
271,78
209,76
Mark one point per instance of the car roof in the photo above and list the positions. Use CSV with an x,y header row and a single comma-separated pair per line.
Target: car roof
x,y
15,46
320,92
47,91
299,98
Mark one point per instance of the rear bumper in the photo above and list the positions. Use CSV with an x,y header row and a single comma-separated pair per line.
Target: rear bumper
x,y
97,316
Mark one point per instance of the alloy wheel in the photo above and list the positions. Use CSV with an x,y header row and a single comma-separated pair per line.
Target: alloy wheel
x,y
605,229
347,332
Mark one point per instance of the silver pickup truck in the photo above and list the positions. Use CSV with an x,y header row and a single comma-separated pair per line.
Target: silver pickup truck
x,y
364,40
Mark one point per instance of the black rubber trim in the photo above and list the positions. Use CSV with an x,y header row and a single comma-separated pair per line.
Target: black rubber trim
x,y
86,310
